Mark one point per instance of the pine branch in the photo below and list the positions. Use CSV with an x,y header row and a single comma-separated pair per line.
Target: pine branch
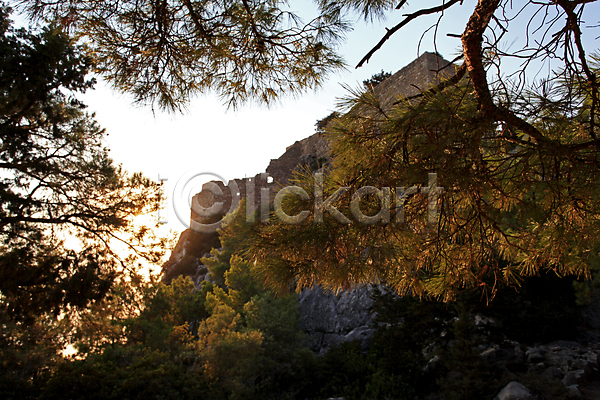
x,y
396,28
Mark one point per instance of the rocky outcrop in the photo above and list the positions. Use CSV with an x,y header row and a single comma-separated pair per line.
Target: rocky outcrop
x,y
514,391
568,361
333,318
185,257
575,365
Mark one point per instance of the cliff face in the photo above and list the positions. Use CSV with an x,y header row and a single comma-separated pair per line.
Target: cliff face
x,y
333,318
185,257
329,318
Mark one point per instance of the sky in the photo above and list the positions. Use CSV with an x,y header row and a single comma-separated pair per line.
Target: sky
x,y
212,141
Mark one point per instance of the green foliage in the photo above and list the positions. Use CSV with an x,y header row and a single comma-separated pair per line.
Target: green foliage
x,y
233,341
520,199
103,323
369,9
369,84
232,237
411,332
376,79
169,352
229,355
243,342
28,353
322,123
465,374
217,265
344,371
347,371
63,205
285,360
241,282
468,376
125,374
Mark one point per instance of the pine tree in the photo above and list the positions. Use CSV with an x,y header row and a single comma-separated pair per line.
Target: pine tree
x,y
63,198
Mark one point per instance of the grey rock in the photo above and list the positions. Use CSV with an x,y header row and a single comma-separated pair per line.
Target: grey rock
x,y
572,377
480,320
573,391
536,367
582,364
563,358
362,333
592,358
488,354
514,391
333,318
184,259
534,355
432,364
